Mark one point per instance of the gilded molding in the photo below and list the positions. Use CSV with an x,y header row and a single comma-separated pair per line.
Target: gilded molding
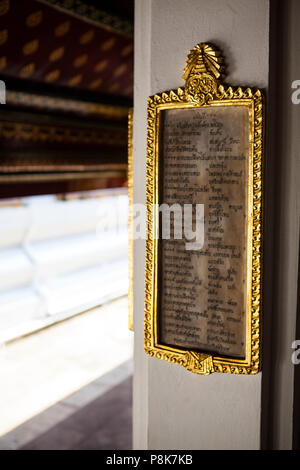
x,y
203,73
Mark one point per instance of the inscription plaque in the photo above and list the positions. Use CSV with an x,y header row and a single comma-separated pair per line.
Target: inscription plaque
x,y
202,300
203,295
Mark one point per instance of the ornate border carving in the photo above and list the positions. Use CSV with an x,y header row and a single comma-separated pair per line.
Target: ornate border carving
x,y
203,73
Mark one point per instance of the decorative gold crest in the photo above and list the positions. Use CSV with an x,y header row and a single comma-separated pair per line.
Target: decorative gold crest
x,y
52,76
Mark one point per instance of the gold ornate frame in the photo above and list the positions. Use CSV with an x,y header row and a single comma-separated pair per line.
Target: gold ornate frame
x,y
203,74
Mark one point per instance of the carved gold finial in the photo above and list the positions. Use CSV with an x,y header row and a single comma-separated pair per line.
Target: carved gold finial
x,y
203,71
200,363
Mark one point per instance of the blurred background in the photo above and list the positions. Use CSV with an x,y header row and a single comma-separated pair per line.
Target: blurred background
x,y
65,346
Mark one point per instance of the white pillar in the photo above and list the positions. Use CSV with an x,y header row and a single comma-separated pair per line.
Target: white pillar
x,y
173,408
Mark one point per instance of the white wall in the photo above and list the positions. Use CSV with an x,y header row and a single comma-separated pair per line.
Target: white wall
x,y
173,408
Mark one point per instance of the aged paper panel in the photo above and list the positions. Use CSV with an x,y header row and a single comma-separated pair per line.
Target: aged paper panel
x,y
202,292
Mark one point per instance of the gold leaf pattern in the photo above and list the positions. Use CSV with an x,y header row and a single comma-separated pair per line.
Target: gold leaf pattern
x,y
27,70
34,19
41,102
130,219
80,61
128,90
82,9
113,87
31,47
87,37
107,45
52,76
62,29
4,7
68,3
57,54
35,51
204,58
3,36
207,93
